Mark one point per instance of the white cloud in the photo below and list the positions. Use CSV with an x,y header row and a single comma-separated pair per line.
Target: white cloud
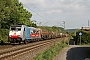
x,y
54,11
74,10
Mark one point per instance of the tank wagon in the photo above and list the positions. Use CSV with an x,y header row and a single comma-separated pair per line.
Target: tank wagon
x,y
23,33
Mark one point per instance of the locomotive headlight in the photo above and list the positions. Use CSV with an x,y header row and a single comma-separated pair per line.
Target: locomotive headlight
x,y
10,35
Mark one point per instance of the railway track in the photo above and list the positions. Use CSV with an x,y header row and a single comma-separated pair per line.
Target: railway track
x,y
14,52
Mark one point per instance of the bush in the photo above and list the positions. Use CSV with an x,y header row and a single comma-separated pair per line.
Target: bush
x,y
4,35
85,38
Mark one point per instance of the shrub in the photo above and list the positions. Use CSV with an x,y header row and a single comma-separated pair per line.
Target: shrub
x,y
4,35
85,38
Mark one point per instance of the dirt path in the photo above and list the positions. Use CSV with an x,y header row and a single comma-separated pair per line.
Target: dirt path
x,y
73,52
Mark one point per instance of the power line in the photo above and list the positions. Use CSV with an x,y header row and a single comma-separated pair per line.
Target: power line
x,y
33,5
36,10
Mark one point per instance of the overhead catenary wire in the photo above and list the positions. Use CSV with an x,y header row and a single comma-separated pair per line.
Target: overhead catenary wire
x,y
33,5
35,11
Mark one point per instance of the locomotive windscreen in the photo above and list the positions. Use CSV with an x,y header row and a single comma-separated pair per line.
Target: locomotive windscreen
x,y
17,28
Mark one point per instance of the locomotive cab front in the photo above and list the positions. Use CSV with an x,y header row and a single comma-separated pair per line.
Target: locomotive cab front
x,y
15,34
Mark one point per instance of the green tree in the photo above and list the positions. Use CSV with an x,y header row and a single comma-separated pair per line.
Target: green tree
x,y
12,13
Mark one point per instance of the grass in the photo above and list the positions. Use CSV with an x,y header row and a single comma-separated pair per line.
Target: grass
x,y
50,53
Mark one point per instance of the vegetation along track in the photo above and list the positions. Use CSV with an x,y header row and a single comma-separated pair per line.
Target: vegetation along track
x,y
10,53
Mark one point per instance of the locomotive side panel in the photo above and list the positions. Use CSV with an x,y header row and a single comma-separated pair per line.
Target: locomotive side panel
x,y
27,33
35,34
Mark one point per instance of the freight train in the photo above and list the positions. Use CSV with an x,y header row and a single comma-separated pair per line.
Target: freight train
x,y
23,33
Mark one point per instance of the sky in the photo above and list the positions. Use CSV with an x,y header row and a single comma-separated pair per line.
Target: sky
x,y
75,13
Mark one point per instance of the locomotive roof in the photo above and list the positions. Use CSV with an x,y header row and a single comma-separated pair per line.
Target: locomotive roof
x,y
33,28
16,25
